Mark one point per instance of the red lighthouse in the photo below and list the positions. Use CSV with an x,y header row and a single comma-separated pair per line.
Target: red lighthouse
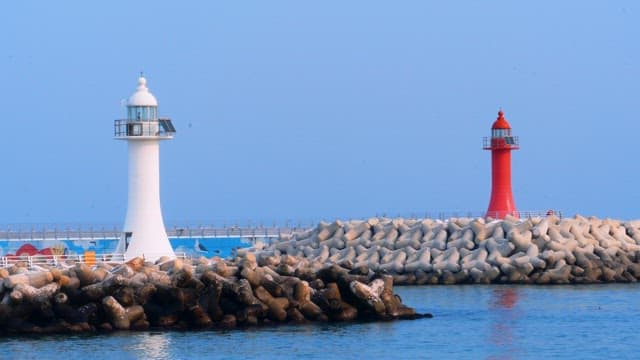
x,y
501,143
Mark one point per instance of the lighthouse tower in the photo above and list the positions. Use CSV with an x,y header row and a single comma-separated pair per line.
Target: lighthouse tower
x,y
144,233
501,143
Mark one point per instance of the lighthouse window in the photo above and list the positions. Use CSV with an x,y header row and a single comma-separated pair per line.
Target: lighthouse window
x,y
499,133
143,113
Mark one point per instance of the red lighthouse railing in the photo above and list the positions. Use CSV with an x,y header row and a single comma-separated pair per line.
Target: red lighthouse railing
x,y
501,143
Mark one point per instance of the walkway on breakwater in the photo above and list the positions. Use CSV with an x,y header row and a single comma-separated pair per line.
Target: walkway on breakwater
x,y
50,246
100,242
34,233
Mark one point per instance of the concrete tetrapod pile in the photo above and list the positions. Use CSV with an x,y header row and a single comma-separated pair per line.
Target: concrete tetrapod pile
x,y
541,250
177,294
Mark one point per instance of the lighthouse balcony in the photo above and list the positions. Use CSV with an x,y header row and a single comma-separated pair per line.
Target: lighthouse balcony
x,y
500,143
144,129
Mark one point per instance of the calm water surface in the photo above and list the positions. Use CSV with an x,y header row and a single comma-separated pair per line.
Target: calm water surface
x,y
495,322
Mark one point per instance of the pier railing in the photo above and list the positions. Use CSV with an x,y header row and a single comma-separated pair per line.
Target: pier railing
x,y
23,232
104,233
444,215
60,260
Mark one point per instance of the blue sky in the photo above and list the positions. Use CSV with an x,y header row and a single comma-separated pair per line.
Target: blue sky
x,y
332,109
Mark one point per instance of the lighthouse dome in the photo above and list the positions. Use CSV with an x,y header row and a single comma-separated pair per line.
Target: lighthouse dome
x,y
142,96
501,122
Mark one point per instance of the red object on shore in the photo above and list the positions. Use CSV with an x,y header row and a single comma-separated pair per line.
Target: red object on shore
x,y
500,144
27,249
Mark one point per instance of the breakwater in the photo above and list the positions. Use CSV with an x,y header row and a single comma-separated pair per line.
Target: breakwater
x,y
538,250
177,294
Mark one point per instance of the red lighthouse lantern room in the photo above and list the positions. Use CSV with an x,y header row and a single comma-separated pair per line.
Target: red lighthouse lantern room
x,y
501,143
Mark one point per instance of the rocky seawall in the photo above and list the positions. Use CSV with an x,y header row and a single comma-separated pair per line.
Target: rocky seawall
x,y
541,250
177,294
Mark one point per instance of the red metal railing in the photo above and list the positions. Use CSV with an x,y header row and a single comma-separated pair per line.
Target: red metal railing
x,y
502,143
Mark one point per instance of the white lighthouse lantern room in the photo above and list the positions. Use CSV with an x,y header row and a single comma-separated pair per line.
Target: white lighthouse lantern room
x,y
144,233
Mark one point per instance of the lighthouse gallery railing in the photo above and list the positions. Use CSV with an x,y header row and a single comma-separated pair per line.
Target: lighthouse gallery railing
x,y
162,127
507,142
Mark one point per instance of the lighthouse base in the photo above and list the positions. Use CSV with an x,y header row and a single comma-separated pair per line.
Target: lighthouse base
x,y
149,248
501,214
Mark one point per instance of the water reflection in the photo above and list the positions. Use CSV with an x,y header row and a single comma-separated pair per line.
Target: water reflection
x,y
505,298
153,345
503,313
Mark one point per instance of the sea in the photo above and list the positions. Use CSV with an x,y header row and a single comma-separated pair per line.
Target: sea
x,y
469,322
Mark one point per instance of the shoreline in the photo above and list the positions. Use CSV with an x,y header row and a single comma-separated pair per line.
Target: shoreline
x,y
335,272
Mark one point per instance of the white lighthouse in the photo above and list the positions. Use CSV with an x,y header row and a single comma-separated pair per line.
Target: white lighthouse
x,y
144,233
